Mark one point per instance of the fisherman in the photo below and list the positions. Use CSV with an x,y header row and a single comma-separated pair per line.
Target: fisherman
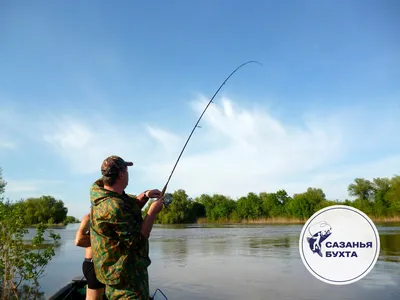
x,y
94,289
119,234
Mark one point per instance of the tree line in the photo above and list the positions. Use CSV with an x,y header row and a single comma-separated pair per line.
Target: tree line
x,y
378,198
45,210
41,210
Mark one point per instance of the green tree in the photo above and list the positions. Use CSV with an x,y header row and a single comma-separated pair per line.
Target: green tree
x,y
71,220
250,207
223,208
275,204
363,189
21,261
199,210
2,184
179,211
45,209
380,188
393,196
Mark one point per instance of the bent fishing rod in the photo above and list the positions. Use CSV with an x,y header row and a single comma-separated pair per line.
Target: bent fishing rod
x,y
168,197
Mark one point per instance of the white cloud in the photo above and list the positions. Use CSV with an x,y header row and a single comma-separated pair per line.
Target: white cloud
x,y
255,152
237,150
168,140
28,185
17,189
84,144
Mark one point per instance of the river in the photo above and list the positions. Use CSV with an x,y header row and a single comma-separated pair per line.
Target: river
x,y
237,262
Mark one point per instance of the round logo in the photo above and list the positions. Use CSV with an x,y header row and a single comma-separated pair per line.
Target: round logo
x,y
339,245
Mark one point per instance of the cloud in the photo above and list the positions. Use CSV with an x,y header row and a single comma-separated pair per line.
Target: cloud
x,y
251,148
17,189
28,185
253,151
237,149
167,140
84,144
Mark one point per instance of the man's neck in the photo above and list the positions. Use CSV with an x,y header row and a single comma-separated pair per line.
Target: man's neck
x,y
115,189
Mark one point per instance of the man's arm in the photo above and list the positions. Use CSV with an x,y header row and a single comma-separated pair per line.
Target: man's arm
x,y
81,238
142,199
134,234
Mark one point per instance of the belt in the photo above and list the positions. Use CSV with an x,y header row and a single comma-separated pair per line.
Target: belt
x,y
89,260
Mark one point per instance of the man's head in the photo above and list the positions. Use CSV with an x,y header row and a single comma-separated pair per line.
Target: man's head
x,y
115,172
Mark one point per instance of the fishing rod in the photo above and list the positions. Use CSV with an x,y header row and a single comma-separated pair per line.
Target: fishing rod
x,y
168,197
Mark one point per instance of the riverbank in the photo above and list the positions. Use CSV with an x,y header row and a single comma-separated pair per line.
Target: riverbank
x,y
285,221
49,226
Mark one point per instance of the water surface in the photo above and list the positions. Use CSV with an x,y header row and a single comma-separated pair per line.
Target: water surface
x,y
237,262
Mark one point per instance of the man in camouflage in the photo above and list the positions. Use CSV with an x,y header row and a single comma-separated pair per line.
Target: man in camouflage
x,y
119,234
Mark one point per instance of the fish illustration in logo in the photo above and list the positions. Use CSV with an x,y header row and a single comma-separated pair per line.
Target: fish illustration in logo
x,y
319,232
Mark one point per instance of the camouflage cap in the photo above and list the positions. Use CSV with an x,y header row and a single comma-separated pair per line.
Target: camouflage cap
x,y
112,165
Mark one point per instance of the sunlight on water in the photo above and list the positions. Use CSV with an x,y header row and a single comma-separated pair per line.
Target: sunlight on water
x,y
237,262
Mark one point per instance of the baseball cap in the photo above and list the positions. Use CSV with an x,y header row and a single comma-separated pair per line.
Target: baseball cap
x,y
112,165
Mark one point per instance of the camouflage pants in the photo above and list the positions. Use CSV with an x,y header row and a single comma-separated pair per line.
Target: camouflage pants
x,y
137,289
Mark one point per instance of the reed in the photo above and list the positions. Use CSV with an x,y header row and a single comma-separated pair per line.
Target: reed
x,y
394,219
277,220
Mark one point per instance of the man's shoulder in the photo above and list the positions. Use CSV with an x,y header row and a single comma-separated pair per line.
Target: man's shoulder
x,y
111,200
116,206
131,196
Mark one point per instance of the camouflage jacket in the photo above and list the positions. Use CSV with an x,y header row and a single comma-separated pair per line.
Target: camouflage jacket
x,y
120,251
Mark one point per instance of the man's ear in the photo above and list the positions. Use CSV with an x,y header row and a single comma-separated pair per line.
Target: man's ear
x,y
121,174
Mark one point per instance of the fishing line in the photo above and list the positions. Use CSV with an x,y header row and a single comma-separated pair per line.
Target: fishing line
x,y
168,197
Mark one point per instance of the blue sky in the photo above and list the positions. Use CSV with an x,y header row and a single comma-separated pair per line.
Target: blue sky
x,y
85,79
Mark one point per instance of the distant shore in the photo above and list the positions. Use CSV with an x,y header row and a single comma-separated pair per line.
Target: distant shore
x,y
60,225
288,221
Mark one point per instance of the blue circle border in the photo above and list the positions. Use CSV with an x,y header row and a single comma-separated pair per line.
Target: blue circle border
x,y
376,241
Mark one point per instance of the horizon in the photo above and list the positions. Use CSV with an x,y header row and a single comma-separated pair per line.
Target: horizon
x,y
82,81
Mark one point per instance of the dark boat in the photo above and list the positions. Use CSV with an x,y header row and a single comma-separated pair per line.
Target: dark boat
x,y
76,290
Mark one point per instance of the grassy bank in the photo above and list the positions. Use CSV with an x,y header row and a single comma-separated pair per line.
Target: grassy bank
x,y
395,219
282,220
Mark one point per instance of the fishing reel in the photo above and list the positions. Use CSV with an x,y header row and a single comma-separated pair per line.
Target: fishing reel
x,y
167,199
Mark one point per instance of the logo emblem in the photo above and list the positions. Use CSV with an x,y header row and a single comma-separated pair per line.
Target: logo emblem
x,y
339,245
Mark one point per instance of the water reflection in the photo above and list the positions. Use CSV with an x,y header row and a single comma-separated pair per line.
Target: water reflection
x,y
237,262
390,247
175,251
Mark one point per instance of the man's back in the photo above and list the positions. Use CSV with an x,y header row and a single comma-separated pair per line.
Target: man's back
x,y
120,251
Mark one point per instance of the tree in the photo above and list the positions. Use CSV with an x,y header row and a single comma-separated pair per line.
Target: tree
x,y
2,184
19,261
250,207
393,195
363,189
380,188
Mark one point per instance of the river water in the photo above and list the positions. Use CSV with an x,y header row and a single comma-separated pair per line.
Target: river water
x,y
237,262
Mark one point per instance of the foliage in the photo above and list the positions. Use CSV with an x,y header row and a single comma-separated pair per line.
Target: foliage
x,y
379,197
71,220
45,209
22,264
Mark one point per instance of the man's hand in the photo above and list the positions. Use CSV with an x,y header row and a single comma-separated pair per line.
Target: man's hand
x,y
151,216
142,199
153,193
156,207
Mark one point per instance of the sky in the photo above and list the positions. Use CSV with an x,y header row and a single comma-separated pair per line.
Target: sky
x,y
82,80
